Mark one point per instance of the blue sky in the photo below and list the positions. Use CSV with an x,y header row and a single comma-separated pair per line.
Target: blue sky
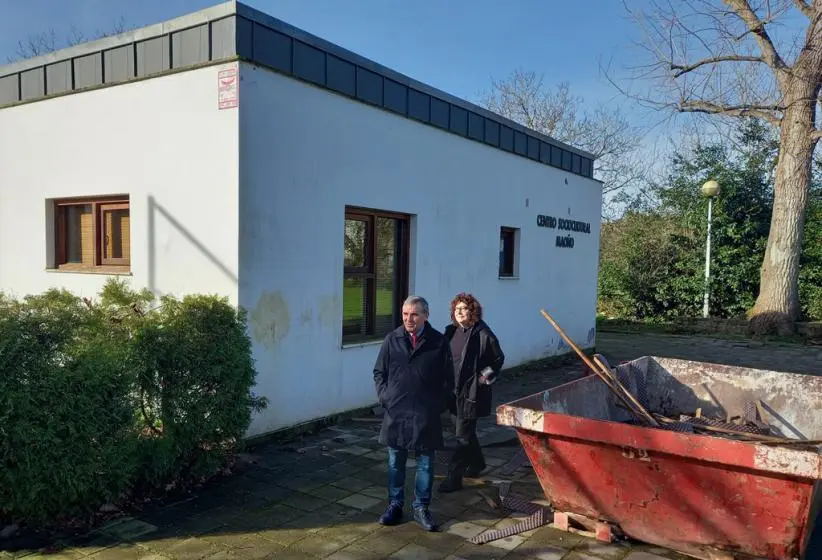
x,y
455,45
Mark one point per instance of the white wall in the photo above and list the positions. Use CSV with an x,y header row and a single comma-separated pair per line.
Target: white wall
x,y
306,153
162,139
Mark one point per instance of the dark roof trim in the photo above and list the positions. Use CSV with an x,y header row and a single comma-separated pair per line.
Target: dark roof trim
x,y
233,29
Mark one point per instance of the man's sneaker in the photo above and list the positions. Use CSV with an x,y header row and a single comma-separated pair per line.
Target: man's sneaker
x,y
423,516
392,515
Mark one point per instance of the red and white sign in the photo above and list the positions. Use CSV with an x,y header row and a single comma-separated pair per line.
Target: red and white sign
x,y
228,95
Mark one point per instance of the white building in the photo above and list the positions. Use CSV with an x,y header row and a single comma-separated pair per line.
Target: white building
x,y
228,152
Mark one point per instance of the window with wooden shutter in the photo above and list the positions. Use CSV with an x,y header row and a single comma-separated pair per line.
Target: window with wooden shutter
x,y
92,234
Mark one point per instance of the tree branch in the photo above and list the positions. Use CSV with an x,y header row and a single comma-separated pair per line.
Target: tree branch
x,y
803,7
685,68
757,27
765,112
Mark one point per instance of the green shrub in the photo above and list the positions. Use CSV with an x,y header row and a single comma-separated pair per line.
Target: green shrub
x,y
195,374
67,422
98,400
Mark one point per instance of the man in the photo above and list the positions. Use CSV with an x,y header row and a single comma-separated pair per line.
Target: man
x,y
413,376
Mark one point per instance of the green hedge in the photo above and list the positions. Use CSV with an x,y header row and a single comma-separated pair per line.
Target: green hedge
x,y
103,400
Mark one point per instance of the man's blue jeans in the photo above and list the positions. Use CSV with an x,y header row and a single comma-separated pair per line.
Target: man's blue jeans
x,y
424,481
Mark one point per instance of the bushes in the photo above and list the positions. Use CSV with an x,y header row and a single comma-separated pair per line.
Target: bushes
x,y
102,400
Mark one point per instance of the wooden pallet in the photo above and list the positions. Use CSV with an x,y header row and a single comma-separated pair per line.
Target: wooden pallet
x,y
585,526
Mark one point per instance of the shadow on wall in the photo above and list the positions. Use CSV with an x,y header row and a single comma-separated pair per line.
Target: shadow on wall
x,y
155,208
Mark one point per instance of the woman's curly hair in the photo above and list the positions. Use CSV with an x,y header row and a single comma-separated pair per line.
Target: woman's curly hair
x,y
474,307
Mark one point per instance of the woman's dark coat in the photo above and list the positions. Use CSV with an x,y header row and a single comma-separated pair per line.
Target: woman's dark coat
x,y
472,398
413,387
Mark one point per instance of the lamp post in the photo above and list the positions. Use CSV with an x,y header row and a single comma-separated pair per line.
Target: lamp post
x,y
709,190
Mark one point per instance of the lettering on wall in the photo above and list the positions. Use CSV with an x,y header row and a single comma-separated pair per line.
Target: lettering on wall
x,y
567,240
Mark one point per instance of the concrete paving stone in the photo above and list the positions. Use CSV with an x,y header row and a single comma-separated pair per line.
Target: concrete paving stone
x,y
127,528
355,450
323,475
384,542
378,470
536,551
207,521
354,552
191,549
377,455
508,543
483,517
360,501
602,550
376,492
416,552
440,541
463,529
642,555
479,552
575,555
362,523
126,551
329,493
550,536
161,543
352,484
342,533
344,469
318,545
298,483
447,510
253,547
92,543
305,502
316,520
263,519
65,554
284,535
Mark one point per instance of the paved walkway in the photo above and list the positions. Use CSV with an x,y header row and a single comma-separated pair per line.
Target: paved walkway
x,y
320,497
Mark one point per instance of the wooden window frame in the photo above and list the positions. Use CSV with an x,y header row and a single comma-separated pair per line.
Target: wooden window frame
x,y
503,232
98,204
369,271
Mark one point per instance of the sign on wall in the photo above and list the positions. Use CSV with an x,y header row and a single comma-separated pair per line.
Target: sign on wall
x,y
228,95
567,240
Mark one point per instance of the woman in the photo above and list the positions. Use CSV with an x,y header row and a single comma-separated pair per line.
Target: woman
x,y
478,360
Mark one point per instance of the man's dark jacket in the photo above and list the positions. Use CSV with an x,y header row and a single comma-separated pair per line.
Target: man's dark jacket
x,y
481,353
413,387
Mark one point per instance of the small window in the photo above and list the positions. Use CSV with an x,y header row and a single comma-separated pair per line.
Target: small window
x,y
508,242
375,278
92,234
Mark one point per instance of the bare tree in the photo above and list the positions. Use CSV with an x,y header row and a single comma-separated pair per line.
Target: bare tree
x,y
737,58
523,97
47,41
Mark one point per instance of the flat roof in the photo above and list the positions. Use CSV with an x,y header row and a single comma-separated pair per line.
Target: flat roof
x,y
235,31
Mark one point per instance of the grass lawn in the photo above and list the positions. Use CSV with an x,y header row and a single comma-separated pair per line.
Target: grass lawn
x,y
353,304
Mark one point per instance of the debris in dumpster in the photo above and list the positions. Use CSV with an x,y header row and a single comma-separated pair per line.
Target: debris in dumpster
x,y
607,376
744,433
751,427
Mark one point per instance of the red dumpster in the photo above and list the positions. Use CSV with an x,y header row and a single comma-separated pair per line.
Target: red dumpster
x,y
705,496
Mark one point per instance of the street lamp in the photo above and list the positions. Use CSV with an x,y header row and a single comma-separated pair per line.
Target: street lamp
x,y
709,190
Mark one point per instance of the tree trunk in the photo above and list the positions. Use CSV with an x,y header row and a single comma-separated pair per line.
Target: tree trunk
x,y
777,306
